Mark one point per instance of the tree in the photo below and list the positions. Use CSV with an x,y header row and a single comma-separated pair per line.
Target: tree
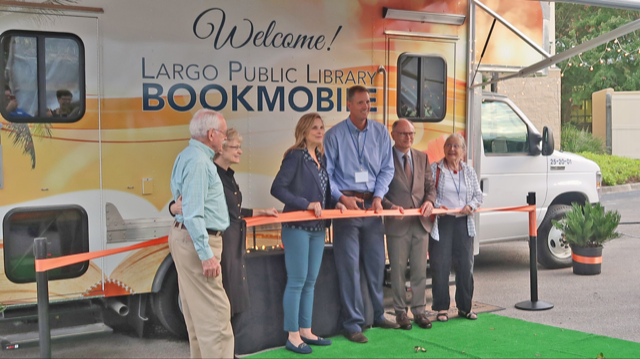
x,y
613,65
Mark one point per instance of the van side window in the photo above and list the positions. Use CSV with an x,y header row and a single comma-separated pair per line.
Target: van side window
x,y
66,229
422,88
503,131
43,77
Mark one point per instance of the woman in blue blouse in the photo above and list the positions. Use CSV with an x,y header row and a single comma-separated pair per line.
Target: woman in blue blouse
x,y
303,184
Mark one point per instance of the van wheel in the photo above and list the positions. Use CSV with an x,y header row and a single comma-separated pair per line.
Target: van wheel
x,y
553,251
167,307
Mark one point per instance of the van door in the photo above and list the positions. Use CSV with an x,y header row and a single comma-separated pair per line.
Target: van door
x,y
54,163
509,172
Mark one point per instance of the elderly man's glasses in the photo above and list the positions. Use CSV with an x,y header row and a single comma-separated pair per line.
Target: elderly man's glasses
x,y
221,132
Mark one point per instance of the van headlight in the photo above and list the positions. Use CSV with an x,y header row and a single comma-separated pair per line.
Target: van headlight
x,y
599,184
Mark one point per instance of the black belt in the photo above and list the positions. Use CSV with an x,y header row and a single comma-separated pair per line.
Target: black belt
x,y
210,231
362,195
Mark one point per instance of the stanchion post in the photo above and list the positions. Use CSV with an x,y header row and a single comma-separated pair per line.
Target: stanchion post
x,y
534,303
42,280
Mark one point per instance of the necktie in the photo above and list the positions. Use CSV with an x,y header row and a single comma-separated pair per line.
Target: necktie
x,y
407,168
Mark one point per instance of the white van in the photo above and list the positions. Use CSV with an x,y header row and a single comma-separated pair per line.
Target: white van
x,y
99,94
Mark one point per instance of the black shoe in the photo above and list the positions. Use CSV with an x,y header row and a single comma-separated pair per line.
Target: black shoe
x,y
356,337
403,321
300,349
422,321
386,324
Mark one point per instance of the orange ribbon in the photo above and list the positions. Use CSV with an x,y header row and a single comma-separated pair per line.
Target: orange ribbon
x,y
354,213
43,265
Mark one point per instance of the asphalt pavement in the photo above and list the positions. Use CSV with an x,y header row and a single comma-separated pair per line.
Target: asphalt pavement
x,y
605,304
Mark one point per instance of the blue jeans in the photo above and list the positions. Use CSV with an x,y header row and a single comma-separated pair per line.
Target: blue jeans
x,y
302,256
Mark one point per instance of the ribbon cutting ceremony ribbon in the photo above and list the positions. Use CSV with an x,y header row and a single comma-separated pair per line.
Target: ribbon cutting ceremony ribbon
x,y
43,265
355,213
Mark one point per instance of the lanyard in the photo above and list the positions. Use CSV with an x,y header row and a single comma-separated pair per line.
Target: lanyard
x,y
358,152
459,186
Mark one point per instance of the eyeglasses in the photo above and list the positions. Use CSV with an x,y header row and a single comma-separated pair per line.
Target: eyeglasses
x,y
454,146
408,134
235,148
222,132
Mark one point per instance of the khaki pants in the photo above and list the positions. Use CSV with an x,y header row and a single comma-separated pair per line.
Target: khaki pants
x,y
412,246
205,305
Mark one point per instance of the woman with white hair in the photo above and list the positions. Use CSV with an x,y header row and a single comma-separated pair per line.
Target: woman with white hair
x,y
451,241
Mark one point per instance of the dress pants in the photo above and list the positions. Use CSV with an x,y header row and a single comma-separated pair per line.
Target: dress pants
x,y
411,246
454,247
303,252
205,305
358,240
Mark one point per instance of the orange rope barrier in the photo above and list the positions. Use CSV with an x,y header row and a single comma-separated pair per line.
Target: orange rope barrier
x,y
43,265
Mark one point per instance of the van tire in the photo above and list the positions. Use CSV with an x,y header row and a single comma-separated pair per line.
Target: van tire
x,y
166,305
553,253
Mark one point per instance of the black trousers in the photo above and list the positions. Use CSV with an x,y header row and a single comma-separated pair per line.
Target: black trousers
x,y
455,247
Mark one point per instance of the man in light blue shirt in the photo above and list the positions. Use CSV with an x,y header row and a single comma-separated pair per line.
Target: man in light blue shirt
x,y
195,239
360,168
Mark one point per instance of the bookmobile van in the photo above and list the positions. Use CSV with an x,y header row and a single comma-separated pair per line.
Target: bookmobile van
x,y
93,173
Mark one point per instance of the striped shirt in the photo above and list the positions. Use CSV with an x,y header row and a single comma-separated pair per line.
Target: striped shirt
x,y
473,198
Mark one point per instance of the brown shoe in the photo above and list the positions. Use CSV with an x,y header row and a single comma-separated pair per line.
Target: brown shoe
x,y
403,321
422,321
356,337
386,324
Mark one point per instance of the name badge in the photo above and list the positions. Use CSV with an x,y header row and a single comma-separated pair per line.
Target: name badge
x,y
362,177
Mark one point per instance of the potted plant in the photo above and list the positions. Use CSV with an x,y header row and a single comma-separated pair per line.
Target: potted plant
x,y
586,227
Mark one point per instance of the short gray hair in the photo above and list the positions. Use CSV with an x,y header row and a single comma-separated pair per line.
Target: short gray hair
x,y
458,137
203,121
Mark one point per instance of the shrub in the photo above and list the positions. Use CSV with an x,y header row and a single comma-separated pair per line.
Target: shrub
x,y
574,140
588,225
615,169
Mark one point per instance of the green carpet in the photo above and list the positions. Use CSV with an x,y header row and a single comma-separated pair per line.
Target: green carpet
x,y
491,336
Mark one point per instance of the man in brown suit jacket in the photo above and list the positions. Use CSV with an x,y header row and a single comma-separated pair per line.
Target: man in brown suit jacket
x,y
408,237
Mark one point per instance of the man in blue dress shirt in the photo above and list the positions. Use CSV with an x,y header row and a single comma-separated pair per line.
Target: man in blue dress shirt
x,y
360,167
195,239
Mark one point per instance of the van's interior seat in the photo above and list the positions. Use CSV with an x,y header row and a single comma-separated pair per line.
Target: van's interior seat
x,y
499,145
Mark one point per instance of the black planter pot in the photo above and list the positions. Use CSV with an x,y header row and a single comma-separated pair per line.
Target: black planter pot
x,y
587,261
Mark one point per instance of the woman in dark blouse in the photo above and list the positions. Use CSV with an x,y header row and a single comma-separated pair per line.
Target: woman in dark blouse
x,y
303,184
234,275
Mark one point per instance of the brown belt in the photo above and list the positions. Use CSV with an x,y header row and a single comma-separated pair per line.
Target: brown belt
x,y
363,195
210,231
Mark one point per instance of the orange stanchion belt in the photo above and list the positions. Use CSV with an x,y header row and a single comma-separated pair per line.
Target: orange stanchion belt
x,y
43,265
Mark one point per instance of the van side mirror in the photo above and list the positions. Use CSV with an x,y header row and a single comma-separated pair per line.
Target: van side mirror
x,y
547,141
534,140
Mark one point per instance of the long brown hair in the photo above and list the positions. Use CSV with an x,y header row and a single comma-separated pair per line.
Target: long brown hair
x,y
305,123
